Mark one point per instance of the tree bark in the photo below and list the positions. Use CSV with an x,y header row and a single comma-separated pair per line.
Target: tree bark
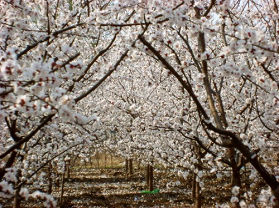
x,y
62,187
17,197
194,187
111,160
127,167
197,195
151,181
139,165
147,175
97,160
49,191
131,167
198,202
105,159
68,170
235,177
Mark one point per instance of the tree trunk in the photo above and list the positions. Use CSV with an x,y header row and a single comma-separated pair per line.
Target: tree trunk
x,y
111,160
17,198
97,160
147,175
105,159
151,178
131,167
62,187
126,167
197,199
235,177
49,191
235,181
194,187
91,162
197,195
138,165
68,170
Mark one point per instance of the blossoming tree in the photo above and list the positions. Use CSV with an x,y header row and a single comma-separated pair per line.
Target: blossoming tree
x,y
225,59
210,68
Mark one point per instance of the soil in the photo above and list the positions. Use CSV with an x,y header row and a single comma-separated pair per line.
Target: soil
x,y
113,188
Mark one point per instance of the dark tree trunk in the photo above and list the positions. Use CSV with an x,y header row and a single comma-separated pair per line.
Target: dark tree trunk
x,y
68,170
194,186
17,198
197,195
151,178
235,177
105,159
131,167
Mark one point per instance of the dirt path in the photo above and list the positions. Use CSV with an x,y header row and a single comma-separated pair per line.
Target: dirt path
x,y
105,188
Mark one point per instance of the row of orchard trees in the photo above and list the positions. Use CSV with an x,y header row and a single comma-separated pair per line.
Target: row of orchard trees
x,y
190,84
200,90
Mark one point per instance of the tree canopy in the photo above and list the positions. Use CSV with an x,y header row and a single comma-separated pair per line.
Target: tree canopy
x,y
188,84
